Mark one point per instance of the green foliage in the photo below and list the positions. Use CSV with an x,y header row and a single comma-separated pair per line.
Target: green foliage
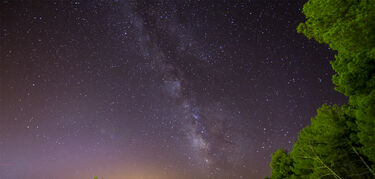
x,y
325,148
355,75
340,142
281,164
365,115
348,26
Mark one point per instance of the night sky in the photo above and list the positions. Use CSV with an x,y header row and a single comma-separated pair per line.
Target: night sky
x,y
169,90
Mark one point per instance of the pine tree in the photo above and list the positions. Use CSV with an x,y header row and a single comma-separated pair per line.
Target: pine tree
x,y
340,142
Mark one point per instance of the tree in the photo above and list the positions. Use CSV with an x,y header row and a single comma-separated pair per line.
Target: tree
x,y
365,115
340,142
355,75
347,26
326,147
281,164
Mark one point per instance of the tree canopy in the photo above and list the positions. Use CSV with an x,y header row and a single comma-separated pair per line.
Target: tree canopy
x,y
347,26
340,141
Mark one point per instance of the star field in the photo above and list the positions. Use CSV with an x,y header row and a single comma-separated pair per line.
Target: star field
x,y
154,89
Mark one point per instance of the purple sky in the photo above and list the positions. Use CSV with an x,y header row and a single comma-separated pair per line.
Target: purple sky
x,y
169,89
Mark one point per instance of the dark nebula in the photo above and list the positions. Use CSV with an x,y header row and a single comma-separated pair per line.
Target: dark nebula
x,y
154,89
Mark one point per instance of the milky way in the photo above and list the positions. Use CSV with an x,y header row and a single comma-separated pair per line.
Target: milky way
x,y
154,89
209,133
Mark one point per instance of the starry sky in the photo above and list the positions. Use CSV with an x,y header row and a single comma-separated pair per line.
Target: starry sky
x,y
178,89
